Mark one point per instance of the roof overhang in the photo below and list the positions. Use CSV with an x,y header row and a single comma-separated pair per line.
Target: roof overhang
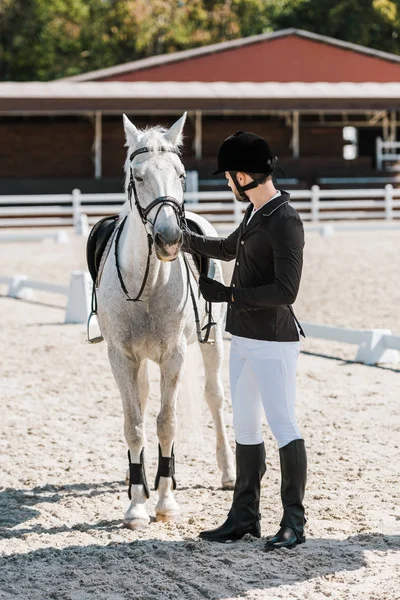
x,y
216,97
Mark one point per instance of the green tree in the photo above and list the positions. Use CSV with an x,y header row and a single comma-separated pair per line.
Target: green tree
x,y
39,39
48,39
373,23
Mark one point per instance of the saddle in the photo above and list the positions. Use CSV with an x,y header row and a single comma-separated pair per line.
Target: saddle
x,y
100,236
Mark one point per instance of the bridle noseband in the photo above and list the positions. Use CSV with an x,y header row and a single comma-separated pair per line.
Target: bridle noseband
x,y
161,202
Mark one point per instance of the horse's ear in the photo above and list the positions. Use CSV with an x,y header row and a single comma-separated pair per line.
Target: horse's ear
x,y
131,132
174,134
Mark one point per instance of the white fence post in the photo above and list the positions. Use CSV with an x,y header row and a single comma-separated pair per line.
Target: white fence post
x,y
389,202
76,210
315,203
79,297
237,212
192,185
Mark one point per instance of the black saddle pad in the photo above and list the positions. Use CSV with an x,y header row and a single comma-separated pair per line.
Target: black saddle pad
x,y
97,242
103,230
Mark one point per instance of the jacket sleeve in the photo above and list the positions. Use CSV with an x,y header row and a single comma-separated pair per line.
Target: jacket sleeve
x,y
222,248
287,244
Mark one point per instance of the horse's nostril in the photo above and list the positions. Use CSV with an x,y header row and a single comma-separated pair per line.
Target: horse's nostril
x,y
167,238
158,239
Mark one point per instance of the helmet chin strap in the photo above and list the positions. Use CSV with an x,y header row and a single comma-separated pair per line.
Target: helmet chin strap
x,y
245,188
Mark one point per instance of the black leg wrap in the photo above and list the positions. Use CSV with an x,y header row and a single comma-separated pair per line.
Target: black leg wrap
x,y
137,475
166,468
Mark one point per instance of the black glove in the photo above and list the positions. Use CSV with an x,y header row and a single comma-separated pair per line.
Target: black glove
x,y
214,291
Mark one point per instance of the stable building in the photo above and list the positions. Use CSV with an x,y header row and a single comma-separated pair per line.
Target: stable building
x,y
320,102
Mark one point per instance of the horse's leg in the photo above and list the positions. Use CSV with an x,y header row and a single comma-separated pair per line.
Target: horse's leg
x,y
213,355
144,389
126,373
172,368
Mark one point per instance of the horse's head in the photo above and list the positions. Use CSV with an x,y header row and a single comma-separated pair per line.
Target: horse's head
x,y
155,178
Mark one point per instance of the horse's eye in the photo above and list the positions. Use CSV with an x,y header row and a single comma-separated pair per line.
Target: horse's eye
x,y
139,179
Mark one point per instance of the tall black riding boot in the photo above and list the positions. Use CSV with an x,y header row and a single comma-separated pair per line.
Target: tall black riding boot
x,y
293,460
244,515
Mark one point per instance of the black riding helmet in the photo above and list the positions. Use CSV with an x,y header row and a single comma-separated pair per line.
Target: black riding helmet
x,y
247,152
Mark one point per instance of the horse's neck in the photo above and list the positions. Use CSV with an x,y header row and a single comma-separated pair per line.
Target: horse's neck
x,y
133,256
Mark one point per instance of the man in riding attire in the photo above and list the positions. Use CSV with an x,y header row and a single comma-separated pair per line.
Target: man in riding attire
x,y
268,251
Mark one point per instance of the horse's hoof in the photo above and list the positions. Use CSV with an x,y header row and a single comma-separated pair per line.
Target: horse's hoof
x,y
228,485
136,524
168,517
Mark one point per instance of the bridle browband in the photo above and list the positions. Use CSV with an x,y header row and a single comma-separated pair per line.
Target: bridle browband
x,y
161,202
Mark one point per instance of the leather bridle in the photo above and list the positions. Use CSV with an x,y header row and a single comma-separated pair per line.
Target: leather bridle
x,y
161,202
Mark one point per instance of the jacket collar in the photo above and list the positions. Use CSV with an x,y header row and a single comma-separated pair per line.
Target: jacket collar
x,y
267,210
273,205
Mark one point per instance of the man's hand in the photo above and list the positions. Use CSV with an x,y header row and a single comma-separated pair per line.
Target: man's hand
x,y
214,291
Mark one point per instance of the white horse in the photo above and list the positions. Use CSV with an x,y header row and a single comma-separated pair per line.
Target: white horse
x,y
161,324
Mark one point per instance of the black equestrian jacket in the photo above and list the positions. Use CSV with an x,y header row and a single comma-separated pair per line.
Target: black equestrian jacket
x,y
269,259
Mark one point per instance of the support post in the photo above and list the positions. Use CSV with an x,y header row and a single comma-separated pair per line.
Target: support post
x,y
393,131
198,150
385,126
97,144
296,134
379,154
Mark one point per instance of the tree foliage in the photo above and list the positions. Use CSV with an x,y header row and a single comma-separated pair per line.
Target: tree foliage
x,y
48,39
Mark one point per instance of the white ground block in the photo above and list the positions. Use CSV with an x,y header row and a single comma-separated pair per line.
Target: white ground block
x,y
79,297
373,350
327,230
18,289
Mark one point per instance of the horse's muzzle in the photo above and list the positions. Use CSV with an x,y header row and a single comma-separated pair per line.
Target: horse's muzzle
x,y
167,247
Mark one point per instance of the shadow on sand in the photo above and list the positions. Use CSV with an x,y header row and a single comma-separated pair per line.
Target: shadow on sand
x,y
146,569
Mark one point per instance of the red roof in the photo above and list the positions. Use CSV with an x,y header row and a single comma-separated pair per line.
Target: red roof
x,y
283,56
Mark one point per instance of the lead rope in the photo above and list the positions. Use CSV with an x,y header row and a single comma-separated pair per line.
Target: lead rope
x,y
210,323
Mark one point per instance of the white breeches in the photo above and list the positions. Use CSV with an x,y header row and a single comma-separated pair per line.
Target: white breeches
x,y
263,376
